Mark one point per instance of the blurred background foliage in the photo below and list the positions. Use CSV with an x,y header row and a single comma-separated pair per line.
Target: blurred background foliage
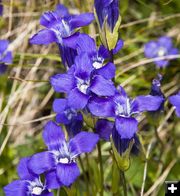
x,y
26,97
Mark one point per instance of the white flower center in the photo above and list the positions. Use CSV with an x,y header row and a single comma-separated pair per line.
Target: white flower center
x,y
64,160
161,52
97,65
66,27
123,109
83,85
37,190
83,88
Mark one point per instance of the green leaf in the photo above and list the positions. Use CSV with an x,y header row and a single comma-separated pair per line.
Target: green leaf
x,y
96,175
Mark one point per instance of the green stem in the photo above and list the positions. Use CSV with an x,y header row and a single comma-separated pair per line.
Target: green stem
x,y
58,192
85,176
101,168
123,182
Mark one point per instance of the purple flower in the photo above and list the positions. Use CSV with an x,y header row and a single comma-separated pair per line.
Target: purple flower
x,y
123,110
61,156
29,183
84,43
160,48
5,56
1,8
80,83
68,116
175,101
61,25
107,9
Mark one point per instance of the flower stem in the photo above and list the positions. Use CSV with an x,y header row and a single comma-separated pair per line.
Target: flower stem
x,y
85,176
101,168
122,175
58,192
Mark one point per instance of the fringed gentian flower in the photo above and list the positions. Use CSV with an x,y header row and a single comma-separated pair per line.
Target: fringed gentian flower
x,y
80,83
175,101
61,25
5,56
61,156
1,8
123,110
29,183
160,48
68,116
84,43
107,10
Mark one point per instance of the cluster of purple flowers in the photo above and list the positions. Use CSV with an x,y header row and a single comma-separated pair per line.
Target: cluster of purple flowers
x,y
88,88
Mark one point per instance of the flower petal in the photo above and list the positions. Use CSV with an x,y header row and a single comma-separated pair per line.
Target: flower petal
x,y
59,105
67,55
17,187
126,127
77,99
67,173
102,87
72,40
162,63
86,44
7,58
165,42
3,45
83,66
118,47
150,49
95,106
104,128
3,68
175,101
173,51
62,82
149,102
61,10
62,118
75,124
103,52
23,170
44,36
41,162
46,193
53,135
107,71
52,181
83,142
81,20
48,18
